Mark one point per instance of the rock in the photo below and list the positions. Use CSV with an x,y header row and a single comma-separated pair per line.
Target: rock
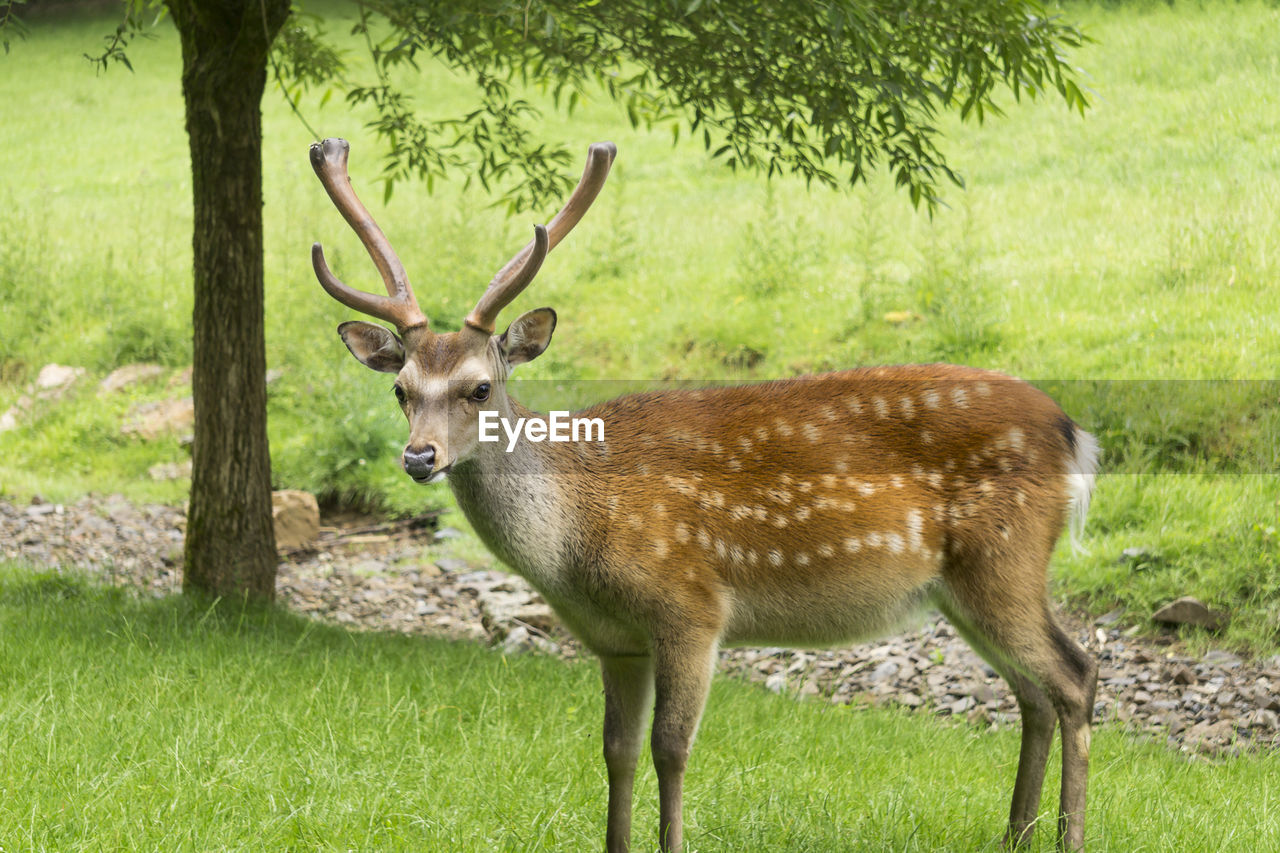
x,y
884,671
1109,618
9,420
128,376
451,564
1219,657
776,683
149,421
447,533
56,378
1190,611
911,700
1183,675
296,517
170,470
983,693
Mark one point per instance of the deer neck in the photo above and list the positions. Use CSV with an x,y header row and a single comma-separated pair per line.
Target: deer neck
x,y
514,498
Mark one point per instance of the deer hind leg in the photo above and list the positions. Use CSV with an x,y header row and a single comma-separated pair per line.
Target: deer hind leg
x,y
1038,722
628,690
682,679
1013,628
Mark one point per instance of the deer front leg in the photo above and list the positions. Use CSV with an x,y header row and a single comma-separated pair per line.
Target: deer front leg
x,y
682,678
628,689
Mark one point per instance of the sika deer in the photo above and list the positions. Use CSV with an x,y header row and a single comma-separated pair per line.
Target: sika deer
x,y
805,511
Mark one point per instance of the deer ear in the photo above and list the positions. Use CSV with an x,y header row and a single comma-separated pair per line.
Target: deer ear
x,y
373,346
526,338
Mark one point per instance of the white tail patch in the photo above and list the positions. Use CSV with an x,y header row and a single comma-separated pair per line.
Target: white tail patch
x,y
1082,475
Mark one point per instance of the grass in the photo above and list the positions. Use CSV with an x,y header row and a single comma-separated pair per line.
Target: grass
x,y
168,725
1138,243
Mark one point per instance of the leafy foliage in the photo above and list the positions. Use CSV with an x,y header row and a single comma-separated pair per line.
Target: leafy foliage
x,y
826,89
829,90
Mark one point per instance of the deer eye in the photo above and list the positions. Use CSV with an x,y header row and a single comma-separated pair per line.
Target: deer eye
x,y
399,392
481,393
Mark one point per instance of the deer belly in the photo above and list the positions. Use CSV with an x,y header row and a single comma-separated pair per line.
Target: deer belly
x,y
856,603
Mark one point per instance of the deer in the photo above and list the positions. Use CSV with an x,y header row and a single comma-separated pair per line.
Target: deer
x,y
807,511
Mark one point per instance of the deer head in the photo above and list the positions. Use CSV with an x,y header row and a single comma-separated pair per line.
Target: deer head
x,y
444,381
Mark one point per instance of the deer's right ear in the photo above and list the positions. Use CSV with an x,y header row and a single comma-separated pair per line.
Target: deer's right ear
x,y
373,346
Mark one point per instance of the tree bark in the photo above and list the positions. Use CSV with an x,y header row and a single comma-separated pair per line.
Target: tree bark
x,y
230,545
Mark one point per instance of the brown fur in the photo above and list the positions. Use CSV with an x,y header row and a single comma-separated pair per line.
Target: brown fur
x,y
804,511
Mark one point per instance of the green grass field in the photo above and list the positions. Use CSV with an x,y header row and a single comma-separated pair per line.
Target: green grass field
x,y
161,725
1137,243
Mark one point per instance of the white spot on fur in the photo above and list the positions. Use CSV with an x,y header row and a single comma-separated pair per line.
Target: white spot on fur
x,y
908,408
931,399
960,397
738,512
894,543
803,513
1016,439
802,559
721,549
830,414
915,530
874,540
983,389
881,407
779,521
682,532
784,429
811,432
704,539
853,545
660,547
781,496
841,466
926,437
775,556
853,404
745,444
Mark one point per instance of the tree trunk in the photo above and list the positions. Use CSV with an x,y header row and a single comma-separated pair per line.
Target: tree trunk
x,y
230,545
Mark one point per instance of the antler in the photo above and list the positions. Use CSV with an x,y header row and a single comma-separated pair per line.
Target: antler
x,y
520,270
329,159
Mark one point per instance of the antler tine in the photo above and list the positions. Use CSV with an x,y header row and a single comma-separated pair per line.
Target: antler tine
x,y
516,274
329,159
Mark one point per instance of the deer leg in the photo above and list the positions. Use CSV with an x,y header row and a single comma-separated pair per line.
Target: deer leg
x,y
1015,626
1038,722
682,679
628,687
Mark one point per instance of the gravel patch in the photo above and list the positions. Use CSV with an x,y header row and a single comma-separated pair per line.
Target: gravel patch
x,y
409,577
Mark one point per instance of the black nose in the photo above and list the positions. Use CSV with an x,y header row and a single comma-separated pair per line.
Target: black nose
x,y
419,463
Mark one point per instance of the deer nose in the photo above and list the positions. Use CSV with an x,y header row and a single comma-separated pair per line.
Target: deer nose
x,y
419,464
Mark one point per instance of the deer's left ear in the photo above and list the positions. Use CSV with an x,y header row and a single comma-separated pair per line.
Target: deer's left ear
x,y
526,338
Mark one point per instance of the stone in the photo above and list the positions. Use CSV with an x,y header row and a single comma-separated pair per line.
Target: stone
x,y
57,377
883,672
1219,657
1184,675
150,420
296,517
170,470
9,420
1190,611
451,564
776,683
128,376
